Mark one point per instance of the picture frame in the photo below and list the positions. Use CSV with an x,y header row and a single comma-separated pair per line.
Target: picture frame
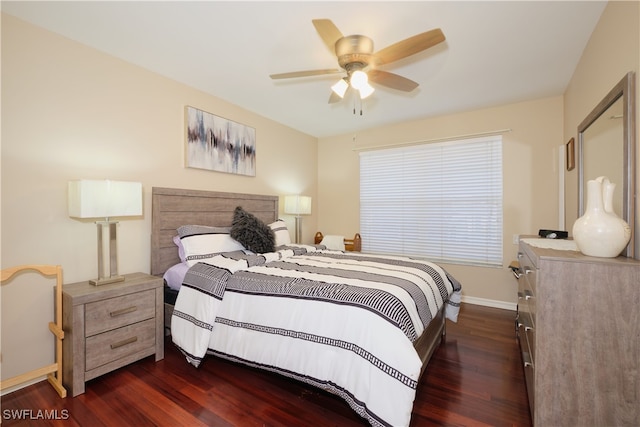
x,y
218,144
571,154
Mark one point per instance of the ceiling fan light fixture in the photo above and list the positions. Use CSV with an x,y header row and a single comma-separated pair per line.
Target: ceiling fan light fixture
x,y
355,53
359,79
366,90
340,88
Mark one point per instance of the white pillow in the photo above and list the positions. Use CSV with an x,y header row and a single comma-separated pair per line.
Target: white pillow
x,y
281,231
333,242
178,243
201,242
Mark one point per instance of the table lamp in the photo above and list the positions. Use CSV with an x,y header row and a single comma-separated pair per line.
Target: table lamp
x,y
105,199
297,205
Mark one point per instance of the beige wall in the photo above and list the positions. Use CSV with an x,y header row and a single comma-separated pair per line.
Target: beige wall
x,y
530,179
71,112
612,51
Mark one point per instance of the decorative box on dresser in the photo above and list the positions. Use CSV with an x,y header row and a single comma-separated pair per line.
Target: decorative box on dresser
x,y
578,327
109,326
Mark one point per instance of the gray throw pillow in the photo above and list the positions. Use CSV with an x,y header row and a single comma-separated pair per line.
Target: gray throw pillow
x,y
254,234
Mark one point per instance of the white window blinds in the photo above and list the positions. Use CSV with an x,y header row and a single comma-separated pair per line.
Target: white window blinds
x,y
441,201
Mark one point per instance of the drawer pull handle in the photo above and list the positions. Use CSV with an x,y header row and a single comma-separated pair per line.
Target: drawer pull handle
x,y
123,311
527,294
526,358
524,324
527,270
123,342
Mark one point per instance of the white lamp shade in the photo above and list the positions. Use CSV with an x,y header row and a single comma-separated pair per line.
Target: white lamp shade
x,y
340,88
366,90
104,199
297,205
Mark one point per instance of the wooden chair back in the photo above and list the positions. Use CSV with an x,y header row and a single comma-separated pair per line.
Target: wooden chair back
x,y
53,371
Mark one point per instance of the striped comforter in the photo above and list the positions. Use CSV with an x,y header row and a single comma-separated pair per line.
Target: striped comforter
x,y
342,321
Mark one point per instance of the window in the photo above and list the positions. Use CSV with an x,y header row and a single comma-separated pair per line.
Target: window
x,y
441,201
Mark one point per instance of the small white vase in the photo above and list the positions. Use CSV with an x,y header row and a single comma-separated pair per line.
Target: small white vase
x,y
600,232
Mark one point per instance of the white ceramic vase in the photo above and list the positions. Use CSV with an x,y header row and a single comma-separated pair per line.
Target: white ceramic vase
x,y
600,232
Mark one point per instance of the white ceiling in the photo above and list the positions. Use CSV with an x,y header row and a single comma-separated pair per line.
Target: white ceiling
x,y
495,53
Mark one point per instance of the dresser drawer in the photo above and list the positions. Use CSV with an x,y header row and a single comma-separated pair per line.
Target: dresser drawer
x,y
113,313
529,377
527,285
528,335
529,272
109,346
524,295
527,298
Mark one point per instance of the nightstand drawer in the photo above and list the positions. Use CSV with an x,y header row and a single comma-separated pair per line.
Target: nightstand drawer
x,y
113,313
109,346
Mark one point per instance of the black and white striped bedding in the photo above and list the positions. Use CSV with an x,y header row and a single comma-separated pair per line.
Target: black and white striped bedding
x,y
342,321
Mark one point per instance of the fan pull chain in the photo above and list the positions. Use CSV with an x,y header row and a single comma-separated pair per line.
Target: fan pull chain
x,y
354,106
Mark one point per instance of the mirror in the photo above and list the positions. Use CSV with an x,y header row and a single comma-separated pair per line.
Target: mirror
x,y
606,148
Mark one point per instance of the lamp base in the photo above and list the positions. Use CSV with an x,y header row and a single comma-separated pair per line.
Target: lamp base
x,y
298,229
106,280
110,276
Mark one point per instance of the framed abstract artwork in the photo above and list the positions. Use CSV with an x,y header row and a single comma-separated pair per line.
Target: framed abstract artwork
x,y
218,144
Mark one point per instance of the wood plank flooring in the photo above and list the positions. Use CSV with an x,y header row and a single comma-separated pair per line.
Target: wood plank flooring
x,y
475,378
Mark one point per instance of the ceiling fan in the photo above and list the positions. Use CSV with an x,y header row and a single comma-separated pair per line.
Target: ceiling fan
x,y
356,57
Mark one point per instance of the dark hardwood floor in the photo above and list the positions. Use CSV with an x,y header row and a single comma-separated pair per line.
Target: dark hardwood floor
x,y
474,379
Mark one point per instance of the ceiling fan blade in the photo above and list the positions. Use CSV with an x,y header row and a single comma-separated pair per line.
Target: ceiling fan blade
x,y
391,80
328,31
408,47
305,73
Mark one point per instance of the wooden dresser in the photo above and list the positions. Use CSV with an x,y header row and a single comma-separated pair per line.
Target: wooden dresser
x,y
109,326
578,326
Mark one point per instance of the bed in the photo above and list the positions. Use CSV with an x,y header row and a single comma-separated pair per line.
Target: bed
x,y
300,310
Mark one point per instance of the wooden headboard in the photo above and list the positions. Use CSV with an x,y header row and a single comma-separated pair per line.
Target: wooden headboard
x,y
172,207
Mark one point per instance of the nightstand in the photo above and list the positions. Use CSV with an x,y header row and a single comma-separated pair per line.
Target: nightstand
x,y
109,326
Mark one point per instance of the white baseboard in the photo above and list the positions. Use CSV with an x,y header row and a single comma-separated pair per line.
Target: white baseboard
x,y
490,303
